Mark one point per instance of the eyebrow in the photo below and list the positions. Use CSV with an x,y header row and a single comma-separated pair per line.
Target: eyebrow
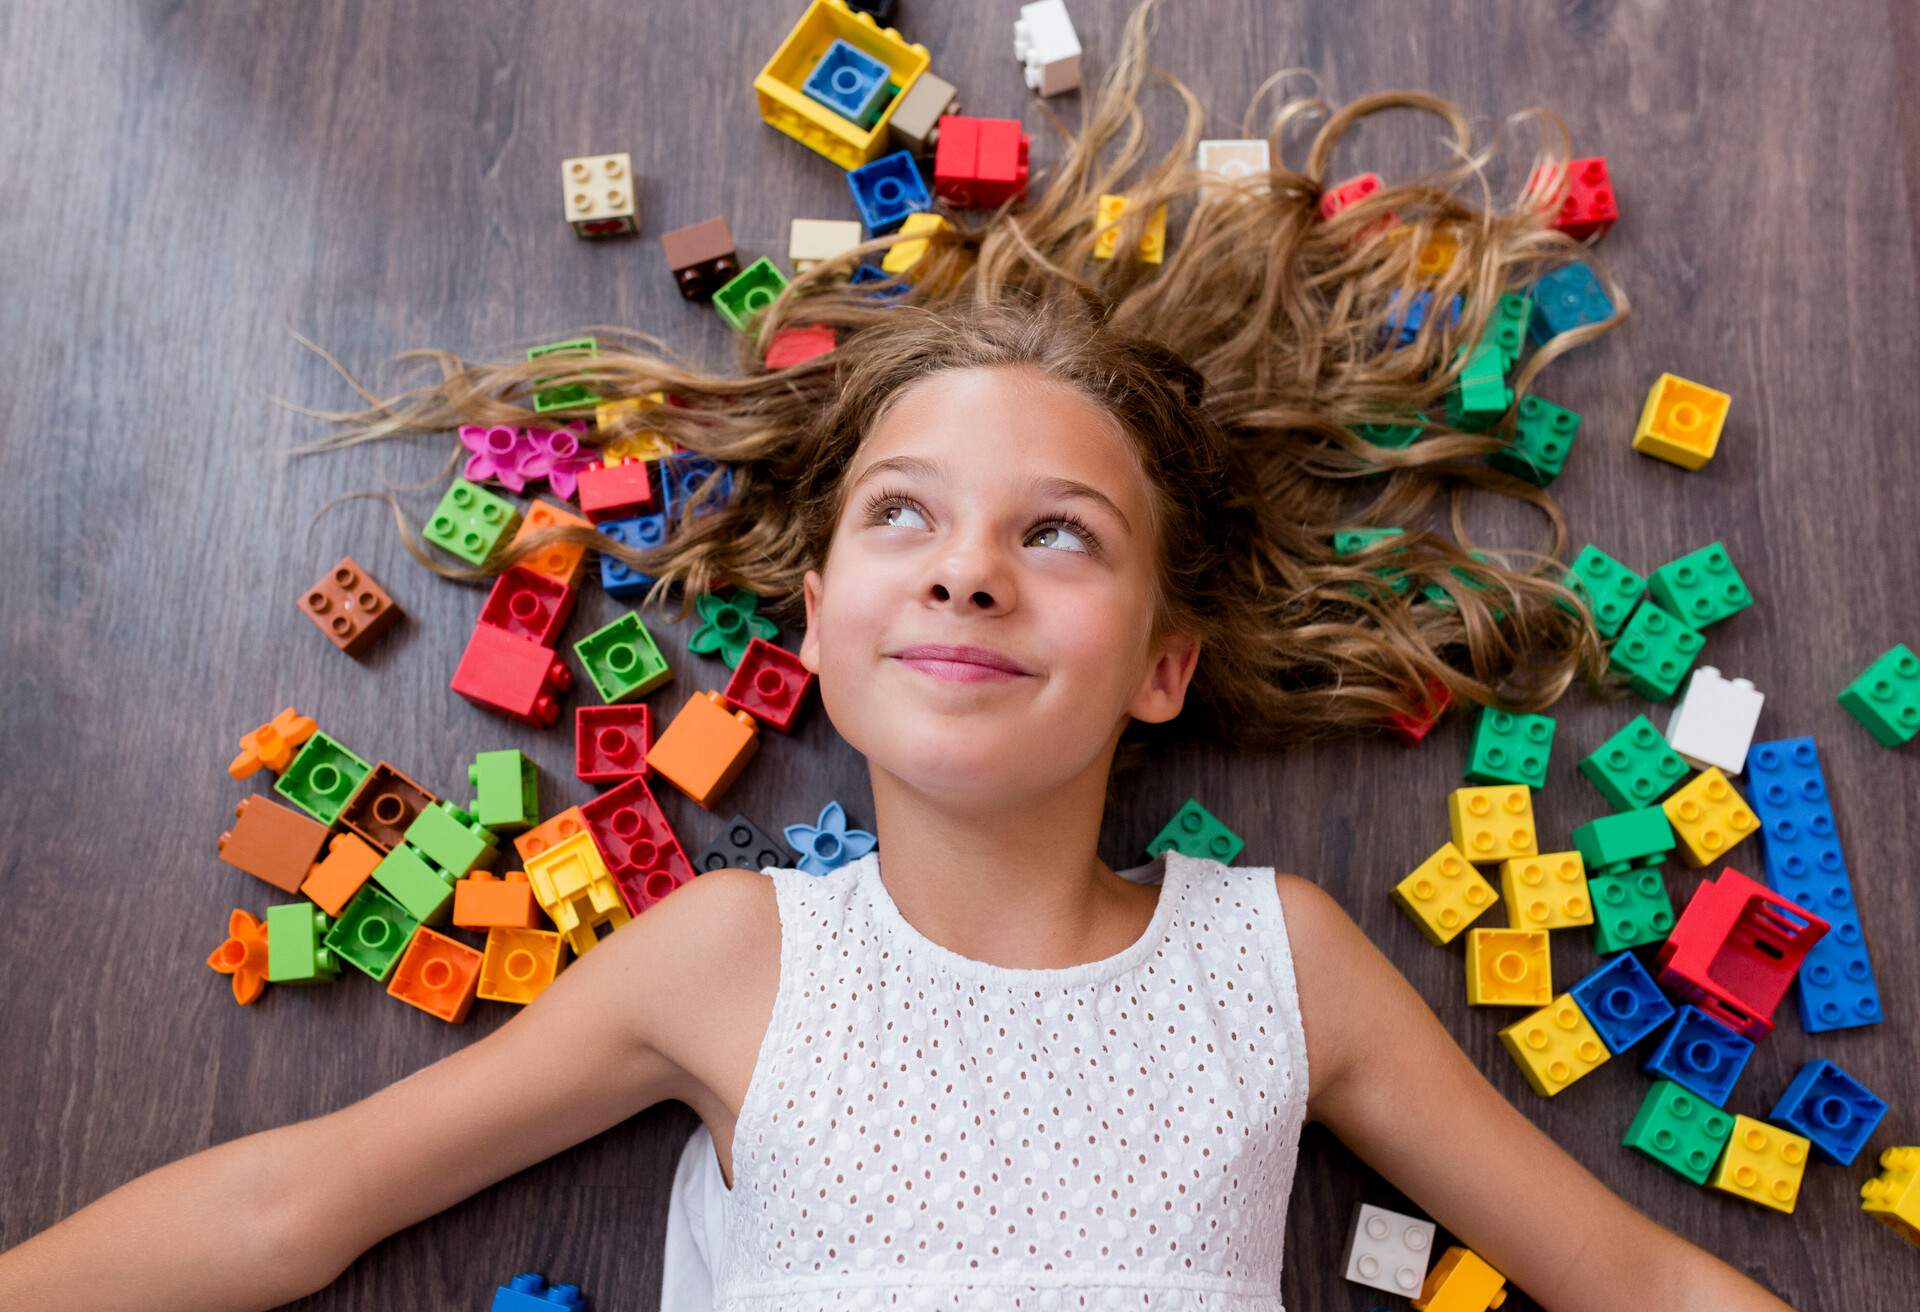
x,y
1052,485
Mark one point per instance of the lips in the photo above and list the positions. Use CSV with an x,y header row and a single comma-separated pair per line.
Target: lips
x,y
957,654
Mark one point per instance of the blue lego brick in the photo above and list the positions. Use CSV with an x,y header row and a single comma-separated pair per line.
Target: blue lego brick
x,y
1568,298
1403,328
1831,1108
530,1292
887,190
641,531
850,82
1701,1054
868,273
1622,1001
684,474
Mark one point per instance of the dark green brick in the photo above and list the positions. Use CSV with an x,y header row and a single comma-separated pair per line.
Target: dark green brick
x,y
1542,438
1608,587
1638,837
1635,768
1196,832
1680,1130
1700,588
1510,747
1655,651
1629,910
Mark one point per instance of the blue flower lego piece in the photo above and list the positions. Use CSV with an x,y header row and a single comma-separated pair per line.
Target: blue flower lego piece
x,y
828,844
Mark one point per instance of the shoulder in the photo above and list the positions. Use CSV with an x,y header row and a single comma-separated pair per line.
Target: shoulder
x,y
710,940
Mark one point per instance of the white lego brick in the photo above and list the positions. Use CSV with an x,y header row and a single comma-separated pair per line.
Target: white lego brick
x,y
1044,40
1231,159
1389,1251
599,194
814,240
1714,720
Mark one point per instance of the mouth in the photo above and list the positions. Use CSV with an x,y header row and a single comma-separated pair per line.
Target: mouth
x,y
961,664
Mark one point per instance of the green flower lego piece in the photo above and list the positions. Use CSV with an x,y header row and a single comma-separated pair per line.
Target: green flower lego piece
x,y
1655,651
1680,1130
728,623
623,660
1542,437
1886,697
749,292
1510,747
371,933
1196,832
1700,588
1635,768
322,778
1608,587
1629,910
471,522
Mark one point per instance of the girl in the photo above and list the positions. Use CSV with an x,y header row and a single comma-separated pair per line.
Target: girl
x,y
1036,511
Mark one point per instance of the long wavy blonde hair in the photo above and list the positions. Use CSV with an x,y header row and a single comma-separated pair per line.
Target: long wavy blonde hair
x,y
1242,366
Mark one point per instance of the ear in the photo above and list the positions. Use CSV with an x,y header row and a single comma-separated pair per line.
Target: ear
x,y
1164,690
810,586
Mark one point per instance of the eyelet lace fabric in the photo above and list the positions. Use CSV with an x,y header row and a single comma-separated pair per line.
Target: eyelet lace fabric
x,y
923,1130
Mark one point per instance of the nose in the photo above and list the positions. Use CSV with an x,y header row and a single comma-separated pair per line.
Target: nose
x,y
972,575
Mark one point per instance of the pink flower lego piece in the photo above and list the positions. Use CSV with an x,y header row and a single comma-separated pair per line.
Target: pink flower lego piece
x,y
558,455
496,455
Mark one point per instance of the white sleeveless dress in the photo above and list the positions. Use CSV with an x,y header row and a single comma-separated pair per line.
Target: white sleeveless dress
x,y
923,1130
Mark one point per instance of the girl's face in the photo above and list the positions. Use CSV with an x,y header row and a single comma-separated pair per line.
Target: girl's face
x,y
997,510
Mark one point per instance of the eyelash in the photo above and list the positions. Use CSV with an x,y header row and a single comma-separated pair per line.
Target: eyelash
x,y
883,500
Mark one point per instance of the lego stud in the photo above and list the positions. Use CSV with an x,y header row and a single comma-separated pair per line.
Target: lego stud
x,y
437,975
373,933
769,682
520,967
614,743
659,884
1509,966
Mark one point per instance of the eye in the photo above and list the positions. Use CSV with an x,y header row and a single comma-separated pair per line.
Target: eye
x,y
1075,533
883,506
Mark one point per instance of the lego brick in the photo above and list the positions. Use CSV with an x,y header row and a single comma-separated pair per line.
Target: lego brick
x,y
1679,1131
769,683
1608,588
423,889
529,604
1566,299
622,660
638,846
980,163
437,974
917,114
1402,327
1622,1001
1886,697
513,675
1388,1251
1444,894
1548,891
1554,1046
619,491
1701,1054
1493,823
1045,43
828,843
728,622
1481,395
890,286
560,561
577,891
1462,1282
272,843
1437,593
743,845
242,956
610,742
704,749
1508,968
701,257
1701,587
271,745
1709,818
1735,949
1230,159
350,607
519,963
785,106
1510,747
1655,651
599,194
1681,422
495,454
1893,1196
1762,1164
483,900
1507,329
1410,727
621,427
1153,239
1635,768
642,533
506,789
1630,909
544,836
558,454
692,484
1639,837
296,953
1196,832
1353,541
1343,195
450,838
886,191
903,255
321,777
552,392
371,933
792,347
529,1291
849,82
1588,208
1543,436
384,805
341,873
470,522
742,297
1835,1112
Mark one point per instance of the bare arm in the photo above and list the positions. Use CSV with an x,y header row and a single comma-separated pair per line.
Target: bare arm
x,y
267,1218
1391,1082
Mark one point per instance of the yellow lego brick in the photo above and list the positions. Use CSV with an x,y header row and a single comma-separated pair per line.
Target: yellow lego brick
x,y
575,890
1762,1164
1494,823
613,419
1554,1046
599,194
1436,255
1444,894
785,105
1893,1197
1153,242
810,241
903,255
1708,817
519,963
1508,968
1461,1281
1681,422
1548,891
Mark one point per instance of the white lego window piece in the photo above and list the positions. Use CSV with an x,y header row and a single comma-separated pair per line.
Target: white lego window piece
x,y
1714,720
1389,1251
1044,40
1229,159
599,194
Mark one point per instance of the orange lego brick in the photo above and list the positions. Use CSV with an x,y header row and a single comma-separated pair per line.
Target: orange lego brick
x,y
243,956
483,900
272,842
332,883
563,560
438,975
705,748
519,963
271,745
549,832
350,607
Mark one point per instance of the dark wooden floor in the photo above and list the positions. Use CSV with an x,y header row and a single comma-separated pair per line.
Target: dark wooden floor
x,y
187,182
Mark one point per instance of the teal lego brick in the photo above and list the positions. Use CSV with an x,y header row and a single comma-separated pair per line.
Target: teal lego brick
x,y
1510,747
1608,587
1635,768
1701,587
1886,697
1196,832
1542,439
1639,837
1629,910
1655,651
1680,1130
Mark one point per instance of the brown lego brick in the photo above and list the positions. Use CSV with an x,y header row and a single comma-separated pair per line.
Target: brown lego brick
x,y
384,806
272,842
701,256
350,607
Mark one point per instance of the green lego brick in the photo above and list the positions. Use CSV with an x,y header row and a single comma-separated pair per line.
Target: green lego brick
x,y
1655,651
1680,1130
567,396
1542,437
1352,541
749,292
450,838
1510,747
421,888
1395,436
1476,402
1195,831
1700,588
622,660
1437,594
506,790
1635,768
1507,328
1638,837
1608,587
1886,697
295,951
1629,910
371,933
471,522
322,778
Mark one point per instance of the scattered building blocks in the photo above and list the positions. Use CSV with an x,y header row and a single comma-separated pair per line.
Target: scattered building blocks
x,y
1045,42
1153,240
622,437
296,952
350,607
599,192
561,561
243,956
530,1292
272,843
1709,818
1554,1046
519,963
622,660
1886,697
780,87
1630,909
701,257
1196,832
384,805
1635,768
349,862
1510,747
918,112
980,163
1608,587
1462,1282
1388,1251
903,255
1762,1164
1701,587
1622,1001
610,742
1543,435
1615,843
371,933
728,622
1570,297
506,791
321,777
743,845
797,345
1342,195
850,82
828,843
1893,1196
1735,949
550,832
1681,422
437,974
516,676
705,748
577,892
1444,894
887,190
1833,1110
424,890
551,393
693,485
618,491
1679,1131
747,293
483,900
1493,823
636,844
769,683
642,533
1508,968
1655,651
1701,1054
528,603
272,745
1230,159
1548,891
1588,207
470,522
451,839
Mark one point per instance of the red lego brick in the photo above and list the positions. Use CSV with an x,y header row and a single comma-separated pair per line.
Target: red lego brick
x,y
1411,729
610,742
770,684
350,608
616,491
638,845
980,163
1589,206
792,346
1734,950
1350,192
384,804
513,675
529,604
